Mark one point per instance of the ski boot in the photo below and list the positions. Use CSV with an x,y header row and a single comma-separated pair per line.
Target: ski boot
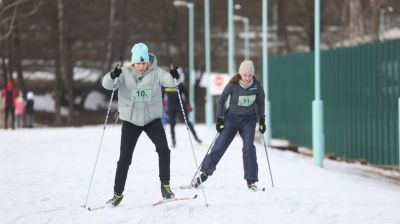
x,y
197,182
197,139
117,198
173,143
166,191
252,185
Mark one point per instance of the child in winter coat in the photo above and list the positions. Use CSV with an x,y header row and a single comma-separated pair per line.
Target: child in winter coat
x,y
246,100
9,95
140,107
19,112
174,110
29,110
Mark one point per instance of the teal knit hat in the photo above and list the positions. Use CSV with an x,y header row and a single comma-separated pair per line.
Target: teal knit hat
x,y
140,53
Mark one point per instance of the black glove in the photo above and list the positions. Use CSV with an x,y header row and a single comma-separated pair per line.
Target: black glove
x,y
174,73
116,72
261,126
220,124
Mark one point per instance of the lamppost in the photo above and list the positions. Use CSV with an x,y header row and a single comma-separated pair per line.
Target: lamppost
x,y
317,104
268,132
245,22
189,5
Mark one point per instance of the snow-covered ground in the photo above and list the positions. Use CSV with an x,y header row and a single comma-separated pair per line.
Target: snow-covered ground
x,y
45,173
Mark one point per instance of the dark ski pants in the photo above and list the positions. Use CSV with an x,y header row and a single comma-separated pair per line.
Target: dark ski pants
x,y
129,136
172,114
246,127
9,111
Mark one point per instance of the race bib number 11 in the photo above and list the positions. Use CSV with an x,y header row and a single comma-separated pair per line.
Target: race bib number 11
x,y
246,101
141,94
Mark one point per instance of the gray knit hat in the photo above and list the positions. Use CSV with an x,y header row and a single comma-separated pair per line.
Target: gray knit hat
x,y
246,68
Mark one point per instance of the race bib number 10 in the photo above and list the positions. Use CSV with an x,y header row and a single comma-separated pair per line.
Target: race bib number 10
x,y
246,101
141,94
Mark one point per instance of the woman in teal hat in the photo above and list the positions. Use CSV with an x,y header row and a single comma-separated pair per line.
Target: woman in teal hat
x,y
139,87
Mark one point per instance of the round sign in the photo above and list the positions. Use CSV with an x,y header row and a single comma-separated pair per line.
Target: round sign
x,y
219,81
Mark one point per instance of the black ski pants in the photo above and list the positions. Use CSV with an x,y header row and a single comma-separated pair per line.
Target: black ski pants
x,y
9,111
172,114
129,136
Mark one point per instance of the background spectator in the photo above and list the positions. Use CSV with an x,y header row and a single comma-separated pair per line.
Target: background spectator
x,y
29,110
19,112
9,95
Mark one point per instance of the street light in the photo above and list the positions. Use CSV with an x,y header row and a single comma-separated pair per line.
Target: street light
x,y
245,21
317,104
189,5
268,132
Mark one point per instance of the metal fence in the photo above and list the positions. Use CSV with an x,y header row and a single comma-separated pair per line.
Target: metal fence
x,y
360,91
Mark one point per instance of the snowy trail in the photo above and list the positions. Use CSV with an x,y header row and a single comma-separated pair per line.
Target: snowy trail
x,y
44,177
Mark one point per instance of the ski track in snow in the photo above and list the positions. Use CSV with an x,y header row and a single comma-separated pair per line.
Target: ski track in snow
x,y
45,174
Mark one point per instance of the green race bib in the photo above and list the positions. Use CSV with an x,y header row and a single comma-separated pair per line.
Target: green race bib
x,y
141,94
246,101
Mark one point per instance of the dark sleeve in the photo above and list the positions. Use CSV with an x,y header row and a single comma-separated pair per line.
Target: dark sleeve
x,y
222,99
261,101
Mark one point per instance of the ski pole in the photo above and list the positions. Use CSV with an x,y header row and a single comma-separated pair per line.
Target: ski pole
x,y
101,141
270,172
172,66
198,169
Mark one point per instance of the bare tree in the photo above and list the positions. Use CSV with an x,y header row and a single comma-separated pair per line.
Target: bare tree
x,y
110,37
109,52
11,12
356,26
59,71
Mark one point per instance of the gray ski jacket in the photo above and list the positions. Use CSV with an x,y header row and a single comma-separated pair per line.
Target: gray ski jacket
x,y
140,96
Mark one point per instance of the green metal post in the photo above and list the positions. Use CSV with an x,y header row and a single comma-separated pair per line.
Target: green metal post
x,y
189,5
399,130
231,40
268,132
246,38
245,22
317,105
192,115
209,99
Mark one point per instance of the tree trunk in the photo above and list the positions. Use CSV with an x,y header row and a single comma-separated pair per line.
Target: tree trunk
x,y
356,27
4,62
10,64
110,36
69,80
17,62
109,55
282,28
59,62
124,28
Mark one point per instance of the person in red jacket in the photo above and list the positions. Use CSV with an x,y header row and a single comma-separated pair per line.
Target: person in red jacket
x,y
9,95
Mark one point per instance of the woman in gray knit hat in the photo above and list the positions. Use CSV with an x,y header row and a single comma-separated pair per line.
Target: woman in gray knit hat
x,y
139,87
246,101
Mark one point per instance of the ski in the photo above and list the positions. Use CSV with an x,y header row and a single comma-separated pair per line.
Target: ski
x,y
100,207
257,189
174,199
96,208
182,187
